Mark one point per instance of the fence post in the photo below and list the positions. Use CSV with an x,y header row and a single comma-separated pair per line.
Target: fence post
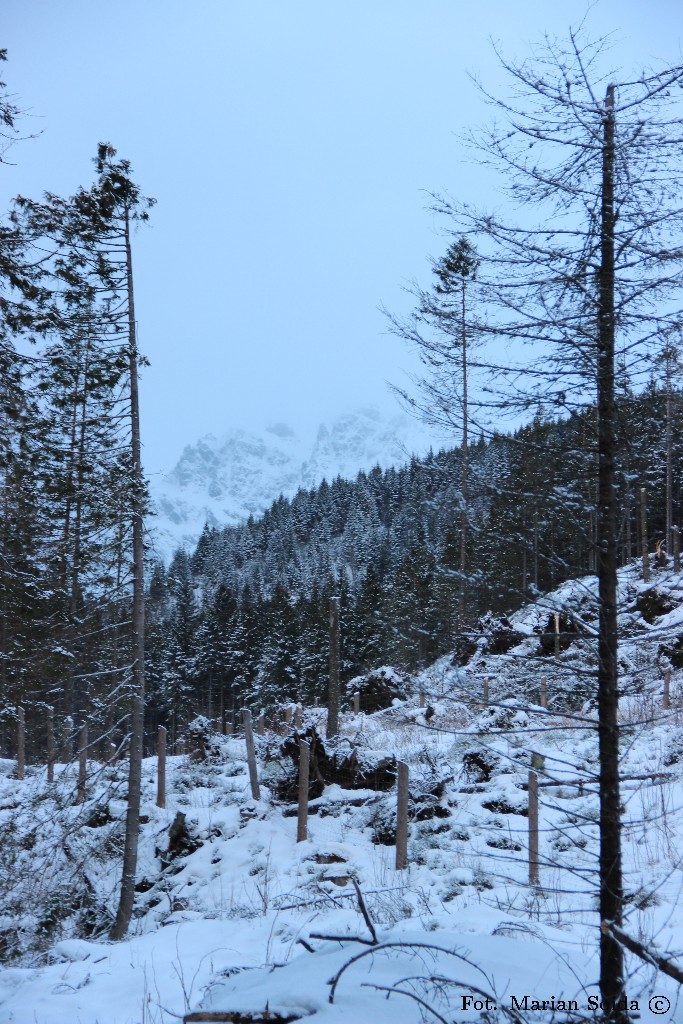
x,y
422,698
82,762
50,744
402,817
643,534
251,754
556,617
21,742
544,693
533,829
161,767
356,703
333,692
298,716
486,691
261,724
302,817
666,701
676,544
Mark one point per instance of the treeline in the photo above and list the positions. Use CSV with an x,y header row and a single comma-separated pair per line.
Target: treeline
x,y
69,485
244,618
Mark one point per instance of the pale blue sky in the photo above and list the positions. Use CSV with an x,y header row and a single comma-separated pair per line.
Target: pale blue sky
x,y
290,146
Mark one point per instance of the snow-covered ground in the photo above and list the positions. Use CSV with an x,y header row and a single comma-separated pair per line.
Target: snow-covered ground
x,y
234,922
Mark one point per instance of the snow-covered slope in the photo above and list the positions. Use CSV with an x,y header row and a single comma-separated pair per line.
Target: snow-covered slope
x,y
245,920
223,480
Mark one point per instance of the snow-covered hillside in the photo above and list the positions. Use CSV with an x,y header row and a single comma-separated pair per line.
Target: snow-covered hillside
x,y
241,918
223,480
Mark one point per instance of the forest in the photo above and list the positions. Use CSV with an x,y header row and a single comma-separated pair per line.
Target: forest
x,y
242,620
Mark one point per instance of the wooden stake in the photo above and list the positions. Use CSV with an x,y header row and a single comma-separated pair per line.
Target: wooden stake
x,y
486,691
261,724
356,703
643,534
21,742
82,762
51,745
161,767
556,617
544,693
112,753
666,696
676,544
402,817
422,699
302,818
251,754
534,875
333,692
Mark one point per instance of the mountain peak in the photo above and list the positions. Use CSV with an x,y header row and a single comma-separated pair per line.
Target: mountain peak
x,y
224,479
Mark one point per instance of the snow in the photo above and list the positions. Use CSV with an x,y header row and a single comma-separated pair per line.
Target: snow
x,y
223,480
222,927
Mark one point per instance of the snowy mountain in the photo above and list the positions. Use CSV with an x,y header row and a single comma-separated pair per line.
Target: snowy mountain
x,y
223,480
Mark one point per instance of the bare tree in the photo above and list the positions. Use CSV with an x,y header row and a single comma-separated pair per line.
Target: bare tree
x,y
586,263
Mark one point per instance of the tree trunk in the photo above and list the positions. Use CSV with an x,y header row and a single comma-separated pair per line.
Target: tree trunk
x,y
130,853
333,693
612,985
465,464
669,459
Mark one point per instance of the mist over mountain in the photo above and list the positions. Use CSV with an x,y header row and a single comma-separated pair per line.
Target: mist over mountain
x,y
222,480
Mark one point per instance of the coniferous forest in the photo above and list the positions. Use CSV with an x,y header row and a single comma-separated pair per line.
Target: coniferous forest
x,y
243,618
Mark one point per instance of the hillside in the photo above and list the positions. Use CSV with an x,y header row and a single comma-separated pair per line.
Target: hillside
x,y
238,906
224,480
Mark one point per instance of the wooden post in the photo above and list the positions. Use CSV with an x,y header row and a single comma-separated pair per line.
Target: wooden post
x,y
333,692
544,693
21,742
302,818
486,691
261,724
676,544
229,727
422,699
556,617
161,767
356,703
298,716
251,754
666,696
533,829
51,745
402,817
288,714
111,758
643,534
82,762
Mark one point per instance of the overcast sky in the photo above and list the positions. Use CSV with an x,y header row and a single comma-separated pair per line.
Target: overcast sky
x,y
290,145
